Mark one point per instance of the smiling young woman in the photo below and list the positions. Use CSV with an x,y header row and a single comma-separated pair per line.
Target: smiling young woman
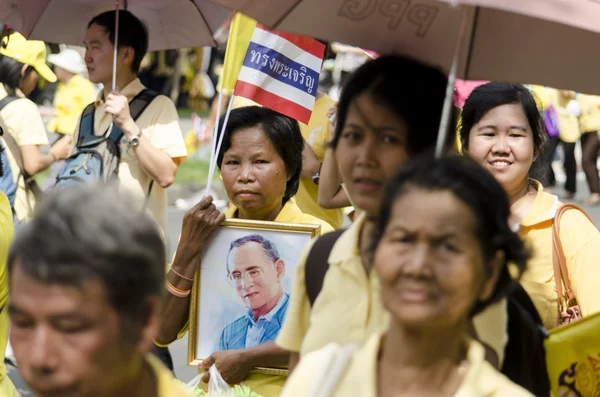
x,y
502,130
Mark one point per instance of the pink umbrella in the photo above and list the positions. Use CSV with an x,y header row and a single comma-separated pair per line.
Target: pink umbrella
x,y
548,42
172,23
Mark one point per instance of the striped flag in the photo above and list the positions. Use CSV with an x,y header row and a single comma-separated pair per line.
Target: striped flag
x,y
281,72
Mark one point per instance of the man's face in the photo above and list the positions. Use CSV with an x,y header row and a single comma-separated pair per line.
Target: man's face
x,y
68,341
255,276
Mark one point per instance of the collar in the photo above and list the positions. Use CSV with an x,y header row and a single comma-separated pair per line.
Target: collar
x,y
346,247
269,316
130,91
290,213
543,209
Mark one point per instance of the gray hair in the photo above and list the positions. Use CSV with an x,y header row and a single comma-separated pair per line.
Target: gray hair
x,y
94,233
267,245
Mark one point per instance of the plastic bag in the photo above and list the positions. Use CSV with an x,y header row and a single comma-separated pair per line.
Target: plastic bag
x,y
217,387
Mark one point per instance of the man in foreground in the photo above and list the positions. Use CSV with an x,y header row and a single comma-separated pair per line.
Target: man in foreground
x,y
84,303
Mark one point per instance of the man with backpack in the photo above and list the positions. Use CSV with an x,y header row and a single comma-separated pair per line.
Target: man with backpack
x,y
131,134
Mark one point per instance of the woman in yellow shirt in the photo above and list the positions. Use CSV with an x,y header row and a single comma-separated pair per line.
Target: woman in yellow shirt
x,y
260,163
589,122
502,130
6,232
442,245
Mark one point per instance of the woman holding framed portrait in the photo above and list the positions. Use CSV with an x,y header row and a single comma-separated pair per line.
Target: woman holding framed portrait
x,y
260,163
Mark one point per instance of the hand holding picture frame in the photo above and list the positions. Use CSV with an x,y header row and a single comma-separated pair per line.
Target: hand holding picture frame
x,y
242,289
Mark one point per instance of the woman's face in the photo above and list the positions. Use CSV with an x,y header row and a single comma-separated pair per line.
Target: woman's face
x,y
502,142
430,262
371,149
253,173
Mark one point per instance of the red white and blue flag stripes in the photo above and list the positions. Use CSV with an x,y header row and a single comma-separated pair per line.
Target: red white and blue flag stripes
x,y
281,72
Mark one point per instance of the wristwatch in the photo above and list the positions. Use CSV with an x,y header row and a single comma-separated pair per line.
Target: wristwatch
x,y
135,140
316,177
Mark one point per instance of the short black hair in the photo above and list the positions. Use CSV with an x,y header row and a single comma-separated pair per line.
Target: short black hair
x,y
132,33
92,233
283,132
10,73
484,196
491,95
412,90
267,245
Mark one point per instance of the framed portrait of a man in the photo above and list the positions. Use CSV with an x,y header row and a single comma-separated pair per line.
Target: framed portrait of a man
x,y
242,290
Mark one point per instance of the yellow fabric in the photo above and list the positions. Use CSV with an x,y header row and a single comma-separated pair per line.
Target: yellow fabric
x,y
165,383
568,123
6,233
590,113
360,312
69,101
25,124
317,135
572,353
580,240
263,384
360,375
159,123
29,52
240,34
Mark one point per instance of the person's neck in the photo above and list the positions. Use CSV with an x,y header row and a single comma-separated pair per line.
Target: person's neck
x,y
123,81
141,382
365,242
265,215
267,307
518,192
67,79
418,361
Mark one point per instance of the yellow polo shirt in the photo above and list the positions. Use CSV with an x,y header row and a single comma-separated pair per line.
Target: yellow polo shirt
x,y
6,233
349,308
165,383
580,239
26,126
590,113
159,123
360,375
69,101
264,384
568,124
317,135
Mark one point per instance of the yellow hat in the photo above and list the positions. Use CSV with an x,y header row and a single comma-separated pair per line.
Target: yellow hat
x,y
29,52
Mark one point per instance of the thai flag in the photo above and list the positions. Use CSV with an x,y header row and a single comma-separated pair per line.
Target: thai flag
x,y
281,72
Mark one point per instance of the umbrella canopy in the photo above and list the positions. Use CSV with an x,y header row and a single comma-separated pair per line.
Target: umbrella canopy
x,y
172,23
548,42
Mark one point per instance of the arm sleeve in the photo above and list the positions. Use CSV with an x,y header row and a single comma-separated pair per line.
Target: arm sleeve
x,y
28,124
297,318
165,133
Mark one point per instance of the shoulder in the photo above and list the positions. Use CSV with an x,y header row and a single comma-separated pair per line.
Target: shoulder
x,y
235,327
310,219
499,383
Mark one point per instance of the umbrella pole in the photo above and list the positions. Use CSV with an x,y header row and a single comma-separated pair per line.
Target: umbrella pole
x,y
447,108
114,76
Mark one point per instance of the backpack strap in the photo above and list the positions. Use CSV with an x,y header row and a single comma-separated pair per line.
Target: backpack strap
x,y
136,108
317,264
86,125
6,100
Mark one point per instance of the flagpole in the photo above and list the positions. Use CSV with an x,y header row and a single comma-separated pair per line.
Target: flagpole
x,y
217,149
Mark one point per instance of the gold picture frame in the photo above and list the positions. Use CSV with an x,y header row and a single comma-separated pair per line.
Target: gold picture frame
x,y
237,227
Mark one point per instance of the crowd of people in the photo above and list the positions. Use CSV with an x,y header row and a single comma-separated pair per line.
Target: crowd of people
x,y
415,294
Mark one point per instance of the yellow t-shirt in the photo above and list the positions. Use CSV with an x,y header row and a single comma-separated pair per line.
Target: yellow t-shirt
x,y
580,240
6,232
160,124
360,375
69,101
349,308
25,124
165,383
568,123
317,135
264,384
589,120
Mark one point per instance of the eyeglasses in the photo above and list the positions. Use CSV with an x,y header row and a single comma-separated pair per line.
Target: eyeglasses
x,y
237,277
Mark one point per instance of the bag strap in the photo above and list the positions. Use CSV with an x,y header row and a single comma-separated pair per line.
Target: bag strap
x,y
317,264
15,150
559,260
86,125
